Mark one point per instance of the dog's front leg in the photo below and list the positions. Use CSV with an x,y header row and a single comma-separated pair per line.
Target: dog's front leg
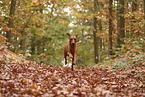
x,y
74,59
65,60
70,55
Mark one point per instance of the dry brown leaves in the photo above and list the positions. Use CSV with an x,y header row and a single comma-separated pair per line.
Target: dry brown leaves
x,y
31,79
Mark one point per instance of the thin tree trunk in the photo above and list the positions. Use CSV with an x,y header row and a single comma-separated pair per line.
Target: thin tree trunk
x,y
103,45
120,23
110,28
134,5
22,42
100,39
118,27
100,32
134,8
11,20
94,34
33,45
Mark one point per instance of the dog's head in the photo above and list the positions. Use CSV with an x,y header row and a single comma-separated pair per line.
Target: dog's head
x,y
72,39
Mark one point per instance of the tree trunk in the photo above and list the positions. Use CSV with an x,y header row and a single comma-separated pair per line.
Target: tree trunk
x,y
94,34
134,5
23,37
33,45
110,28
100,32
120,23
11,20
100,23
118,27
134,8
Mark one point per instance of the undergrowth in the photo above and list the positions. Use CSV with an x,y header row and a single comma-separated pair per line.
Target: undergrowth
x,y
126,57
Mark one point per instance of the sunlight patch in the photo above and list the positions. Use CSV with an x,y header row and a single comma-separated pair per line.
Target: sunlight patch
x,y
68,63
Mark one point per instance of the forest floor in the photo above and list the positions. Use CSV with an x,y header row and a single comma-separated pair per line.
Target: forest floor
x,y
27,78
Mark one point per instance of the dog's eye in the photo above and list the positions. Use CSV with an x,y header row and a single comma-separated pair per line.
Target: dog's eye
x,y
74,39
70,39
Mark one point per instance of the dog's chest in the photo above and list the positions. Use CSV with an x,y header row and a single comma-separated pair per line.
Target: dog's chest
x,y
72,50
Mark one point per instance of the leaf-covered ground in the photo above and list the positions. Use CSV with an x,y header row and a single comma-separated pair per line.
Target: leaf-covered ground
x,y
31,79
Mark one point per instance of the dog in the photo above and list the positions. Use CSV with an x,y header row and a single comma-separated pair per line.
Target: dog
x,y
71,49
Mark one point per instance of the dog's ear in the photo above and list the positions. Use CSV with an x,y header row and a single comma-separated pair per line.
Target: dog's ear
x,y
77,35
68,34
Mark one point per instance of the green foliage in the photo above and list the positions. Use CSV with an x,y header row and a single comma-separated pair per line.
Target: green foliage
x,y
127,56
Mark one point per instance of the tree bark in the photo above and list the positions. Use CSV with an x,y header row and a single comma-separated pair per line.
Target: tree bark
x,y
11,20
100,32
110,28
120,23
134,5
134,8
100,23
94,34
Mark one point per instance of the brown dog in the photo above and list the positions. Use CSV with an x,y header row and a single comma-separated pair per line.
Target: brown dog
x,y
71,49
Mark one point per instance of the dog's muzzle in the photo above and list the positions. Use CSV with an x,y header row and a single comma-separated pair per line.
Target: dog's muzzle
x,y
72,44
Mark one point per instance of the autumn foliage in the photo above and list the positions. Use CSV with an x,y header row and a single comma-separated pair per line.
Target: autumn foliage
x,y
33,36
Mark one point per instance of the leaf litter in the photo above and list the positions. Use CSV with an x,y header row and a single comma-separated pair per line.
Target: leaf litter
x,y
31,79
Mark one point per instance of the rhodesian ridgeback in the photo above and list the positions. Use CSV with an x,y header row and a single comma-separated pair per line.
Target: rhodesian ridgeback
x,y
71,49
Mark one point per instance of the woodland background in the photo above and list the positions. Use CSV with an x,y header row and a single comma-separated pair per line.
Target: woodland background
x,y
37,29
112,35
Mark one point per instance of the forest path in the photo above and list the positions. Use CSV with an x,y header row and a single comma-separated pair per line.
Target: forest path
x,y
31,79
